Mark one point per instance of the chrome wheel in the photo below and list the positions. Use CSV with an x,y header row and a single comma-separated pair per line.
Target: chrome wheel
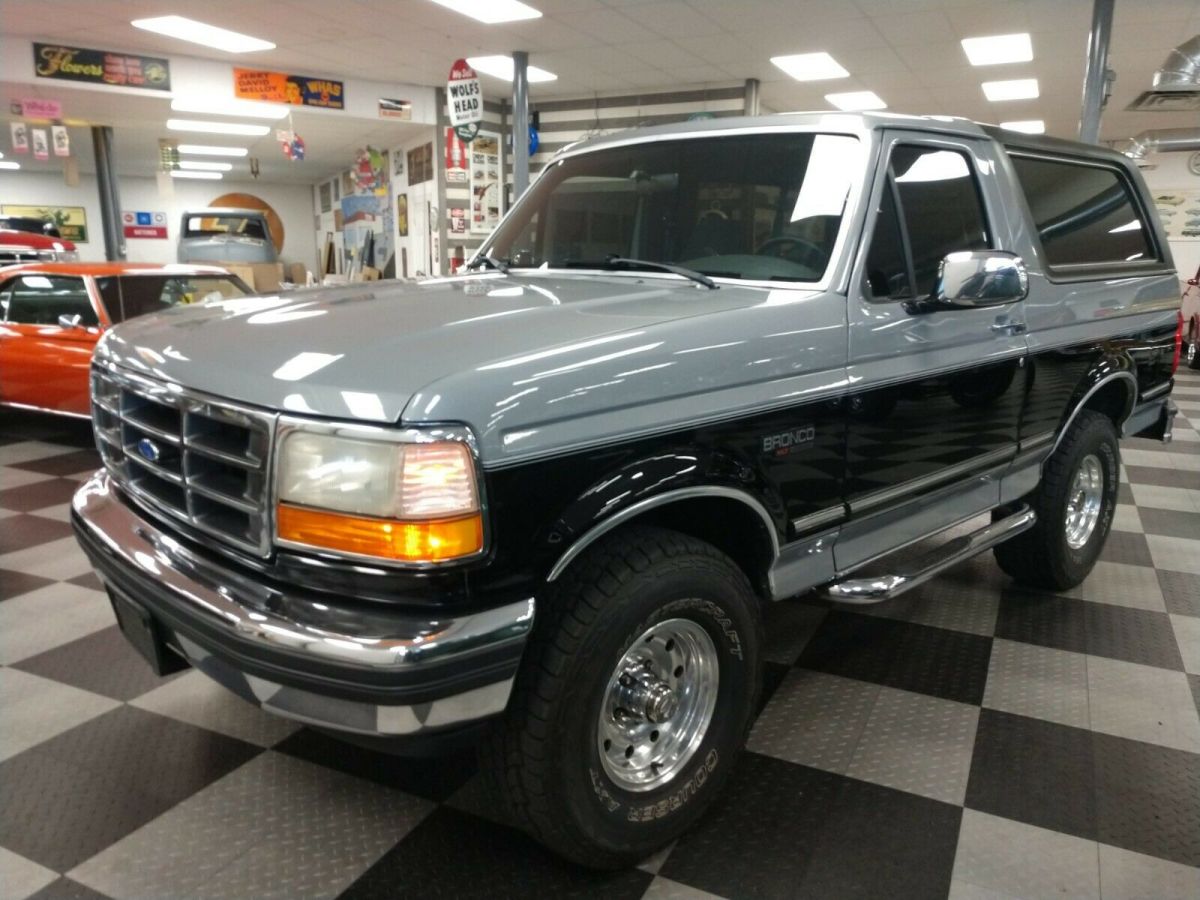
x,y
1084,501
1191,353
658,705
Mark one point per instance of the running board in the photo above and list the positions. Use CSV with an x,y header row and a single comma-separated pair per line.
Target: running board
x,y
877,588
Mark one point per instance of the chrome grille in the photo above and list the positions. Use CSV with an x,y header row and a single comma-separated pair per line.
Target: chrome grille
x,y
199,460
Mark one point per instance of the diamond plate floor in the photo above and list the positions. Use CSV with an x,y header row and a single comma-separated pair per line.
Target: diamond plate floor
x,y
970,740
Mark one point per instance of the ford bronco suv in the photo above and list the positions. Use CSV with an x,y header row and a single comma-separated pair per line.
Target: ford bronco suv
x,y
698,368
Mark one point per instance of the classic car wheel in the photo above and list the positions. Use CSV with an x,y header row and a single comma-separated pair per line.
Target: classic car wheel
x,y
1074,503
1193,352
634,698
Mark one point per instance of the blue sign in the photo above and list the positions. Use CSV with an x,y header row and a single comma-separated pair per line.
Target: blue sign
x,y
534,140
143,218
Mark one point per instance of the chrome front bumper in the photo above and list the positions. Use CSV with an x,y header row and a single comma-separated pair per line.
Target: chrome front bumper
x,y
359,667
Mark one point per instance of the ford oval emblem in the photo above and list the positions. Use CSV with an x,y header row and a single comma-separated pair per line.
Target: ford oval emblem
x,y
148,450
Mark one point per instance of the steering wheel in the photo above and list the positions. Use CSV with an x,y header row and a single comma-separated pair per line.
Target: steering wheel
x,y
794,249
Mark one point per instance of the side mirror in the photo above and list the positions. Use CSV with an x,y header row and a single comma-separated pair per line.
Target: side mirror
x,y
969,278
71,321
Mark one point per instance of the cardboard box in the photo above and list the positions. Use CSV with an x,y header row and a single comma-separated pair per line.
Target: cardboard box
x,y
263,277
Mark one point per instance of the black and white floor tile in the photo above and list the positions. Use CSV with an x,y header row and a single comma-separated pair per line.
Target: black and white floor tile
x,y
970,740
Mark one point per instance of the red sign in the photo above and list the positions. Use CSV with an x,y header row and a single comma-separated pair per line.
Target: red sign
x,y
146,231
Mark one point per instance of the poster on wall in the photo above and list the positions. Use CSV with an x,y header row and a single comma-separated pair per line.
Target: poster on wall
x,y
326,194
1179,212
420,164
144,225
71,221
395,109
41,143
20,137
101,67
295,90
402,215
486,185
457,158
61,140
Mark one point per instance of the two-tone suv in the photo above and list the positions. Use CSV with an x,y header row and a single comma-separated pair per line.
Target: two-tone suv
x,y
696,369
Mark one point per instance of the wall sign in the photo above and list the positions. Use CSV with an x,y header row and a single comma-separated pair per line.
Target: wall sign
x,y
464,100
20,137
41,143
70,220
145,224
296,90
395,109
101,67
37,109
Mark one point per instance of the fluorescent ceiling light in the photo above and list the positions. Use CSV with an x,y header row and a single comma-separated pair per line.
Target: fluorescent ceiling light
x,y
810,66
211,150
212,176
206,35
999,48
853,101
218,127
9,164
1029,126
216,106
197,166
491,12
1018,89
502,67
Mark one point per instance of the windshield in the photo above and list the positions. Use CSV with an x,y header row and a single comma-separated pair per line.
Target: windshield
x,y
242,226
126,296
760,207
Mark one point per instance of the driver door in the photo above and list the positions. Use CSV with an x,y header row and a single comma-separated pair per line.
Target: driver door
x,y
934,415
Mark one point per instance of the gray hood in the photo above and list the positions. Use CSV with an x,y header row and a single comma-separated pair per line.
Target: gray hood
x,y
533,364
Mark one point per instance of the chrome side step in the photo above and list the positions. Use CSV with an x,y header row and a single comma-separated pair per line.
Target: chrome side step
x,y
877,588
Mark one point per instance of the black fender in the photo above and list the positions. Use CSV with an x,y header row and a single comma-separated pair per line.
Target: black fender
x,y
1114,370
657,480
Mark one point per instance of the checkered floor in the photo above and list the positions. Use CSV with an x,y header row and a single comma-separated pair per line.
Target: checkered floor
x,y
970,739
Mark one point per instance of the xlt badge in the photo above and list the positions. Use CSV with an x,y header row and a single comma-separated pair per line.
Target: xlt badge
x,y
787,442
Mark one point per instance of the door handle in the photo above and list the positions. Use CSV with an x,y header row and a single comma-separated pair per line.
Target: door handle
x,y
1009,328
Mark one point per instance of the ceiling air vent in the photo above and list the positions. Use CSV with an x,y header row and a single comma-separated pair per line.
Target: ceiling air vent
x,y
1176,85
1166,101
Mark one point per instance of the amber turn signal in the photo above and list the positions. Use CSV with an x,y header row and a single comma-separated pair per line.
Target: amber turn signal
x,y
420,541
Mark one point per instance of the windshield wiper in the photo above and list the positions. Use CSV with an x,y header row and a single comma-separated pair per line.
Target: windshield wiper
x,y
698,277
491,261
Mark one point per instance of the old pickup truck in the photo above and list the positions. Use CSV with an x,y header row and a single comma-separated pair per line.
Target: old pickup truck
x,y
542,504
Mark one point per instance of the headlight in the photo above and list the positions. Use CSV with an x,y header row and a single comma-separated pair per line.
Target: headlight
x,y
376,497
68,256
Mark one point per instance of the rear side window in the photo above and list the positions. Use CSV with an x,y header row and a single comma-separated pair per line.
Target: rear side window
x,y
1084,214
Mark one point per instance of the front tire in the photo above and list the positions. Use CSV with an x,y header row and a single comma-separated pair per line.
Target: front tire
x,y
634,698
1074,502
1192,349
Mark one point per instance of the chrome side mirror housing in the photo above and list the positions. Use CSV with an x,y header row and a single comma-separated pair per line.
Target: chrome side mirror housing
x,y
969,278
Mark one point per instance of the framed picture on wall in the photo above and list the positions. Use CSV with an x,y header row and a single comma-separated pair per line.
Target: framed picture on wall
x,y
402,215
347,183
326,192
337,194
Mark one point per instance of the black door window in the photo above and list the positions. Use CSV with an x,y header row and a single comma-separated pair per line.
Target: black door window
x,y
1084,213
930,207
41,299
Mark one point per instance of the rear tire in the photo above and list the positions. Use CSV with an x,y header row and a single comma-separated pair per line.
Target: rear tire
x,y
617,613
1074,502
1191,350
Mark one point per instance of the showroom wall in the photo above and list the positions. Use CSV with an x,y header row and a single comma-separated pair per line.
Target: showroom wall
x,y
1170,175
293,203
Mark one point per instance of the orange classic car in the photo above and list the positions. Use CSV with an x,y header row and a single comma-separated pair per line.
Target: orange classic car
x,y
52,314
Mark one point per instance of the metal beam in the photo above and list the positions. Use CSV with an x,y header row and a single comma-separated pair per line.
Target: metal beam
x,y
110,198
520,123
751,104
1095,76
